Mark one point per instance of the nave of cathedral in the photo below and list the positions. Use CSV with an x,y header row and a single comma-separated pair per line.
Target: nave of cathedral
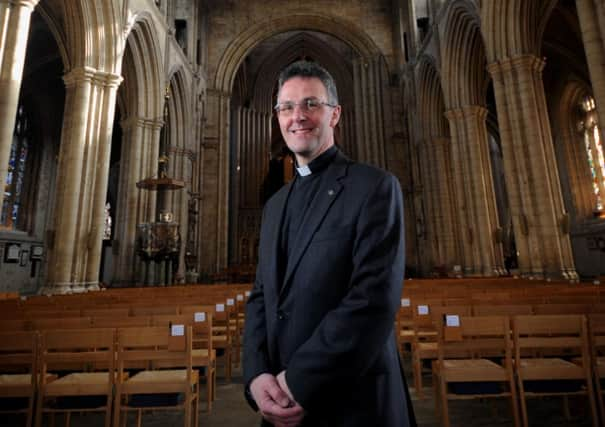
x,y
125,120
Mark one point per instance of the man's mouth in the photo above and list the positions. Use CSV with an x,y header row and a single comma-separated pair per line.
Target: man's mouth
x,y
301,131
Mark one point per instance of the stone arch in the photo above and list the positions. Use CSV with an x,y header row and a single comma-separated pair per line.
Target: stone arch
x,y
431,105
248,39
514,27
100,50
286,53
179,106
142,95
178,128
53,21
465,77
140,102
574,160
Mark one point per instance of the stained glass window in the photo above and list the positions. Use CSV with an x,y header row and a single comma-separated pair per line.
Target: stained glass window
x,y
15,178
594,152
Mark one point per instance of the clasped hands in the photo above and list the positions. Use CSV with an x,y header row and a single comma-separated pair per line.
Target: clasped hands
x,y
274,400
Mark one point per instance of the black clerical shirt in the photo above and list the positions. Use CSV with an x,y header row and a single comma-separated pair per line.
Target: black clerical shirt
x,y
303,191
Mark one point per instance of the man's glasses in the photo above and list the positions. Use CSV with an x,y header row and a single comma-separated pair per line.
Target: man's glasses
x,y
307,105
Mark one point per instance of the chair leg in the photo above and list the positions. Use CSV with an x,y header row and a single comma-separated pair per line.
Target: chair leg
x,y
116,409
513,401
566,412
209,389
523,403
417,372
445,416
228,364
592,400
39,412
30,411
599,396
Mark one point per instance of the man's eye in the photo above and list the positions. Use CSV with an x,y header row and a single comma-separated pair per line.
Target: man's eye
x,y
287,107
312,103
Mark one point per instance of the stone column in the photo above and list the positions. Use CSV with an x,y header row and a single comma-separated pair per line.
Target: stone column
x,y
369,76
475,191
214,185
440,214
100,171
531,174
74,252
591,14
14,30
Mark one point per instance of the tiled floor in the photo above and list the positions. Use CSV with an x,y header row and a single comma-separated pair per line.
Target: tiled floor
x,y
231,410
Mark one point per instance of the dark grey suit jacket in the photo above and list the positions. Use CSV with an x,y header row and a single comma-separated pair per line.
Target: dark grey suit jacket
x,y
330,323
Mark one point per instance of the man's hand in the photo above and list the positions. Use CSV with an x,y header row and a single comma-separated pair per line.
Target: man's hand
x,y
274,403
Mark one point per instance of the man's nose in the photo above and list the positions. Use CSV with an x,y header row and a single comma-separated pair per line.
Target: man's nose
x,y
299,113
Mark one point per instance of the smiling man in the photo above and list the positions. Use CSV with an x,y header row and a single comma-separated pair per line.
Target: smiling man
x,y
319,345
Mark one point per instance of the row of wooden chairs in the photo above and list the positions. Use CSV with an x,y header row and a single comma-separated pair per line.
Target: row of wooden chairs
x,y
120,370
417,334
520,357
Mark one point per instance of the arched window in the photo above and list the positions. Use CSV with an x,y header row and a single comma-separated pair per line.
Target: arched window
x,y
14,204
593,145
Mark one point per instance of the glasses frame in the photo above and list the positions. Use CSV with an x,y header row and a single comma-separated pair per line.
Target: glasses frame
x,y
304,105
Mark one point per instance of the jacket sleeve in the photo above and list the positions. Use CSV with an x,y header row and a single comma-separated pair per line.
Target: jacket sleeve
x,y
349,339
255,354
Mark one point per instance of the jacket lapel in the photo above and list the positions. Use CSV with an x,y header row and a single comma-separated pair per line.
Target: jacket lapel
x,y
329,190
274,238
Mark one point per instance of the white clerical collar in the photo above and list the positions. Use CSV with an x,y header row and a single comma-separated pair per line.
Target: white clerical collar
x,y
304,170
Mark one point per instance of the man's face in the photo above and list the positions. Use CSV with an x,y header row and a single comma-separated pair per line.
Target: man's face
x,y
307,133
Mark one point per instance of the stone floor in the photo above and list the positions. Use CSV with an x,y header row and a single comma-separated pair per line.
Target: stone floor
x,y
230,410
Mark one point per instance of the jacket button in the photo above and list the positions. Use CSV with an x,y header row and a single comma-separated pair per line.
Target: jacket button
x,y
281,315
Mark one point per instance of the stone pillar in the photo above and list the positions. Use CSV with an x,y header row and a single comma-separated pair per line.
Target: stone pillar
x,y
591,14
530,167
214,184
15,16
140,135
75,250
100,169
440,215
369,76
475,196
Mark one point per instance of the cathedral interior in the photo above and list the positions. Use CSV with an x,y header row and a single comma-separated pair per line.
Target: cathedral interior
x,y
138,142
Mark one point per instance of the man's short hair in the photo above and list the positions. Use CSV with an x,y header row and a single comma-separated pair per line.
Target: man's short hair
x,y
309,69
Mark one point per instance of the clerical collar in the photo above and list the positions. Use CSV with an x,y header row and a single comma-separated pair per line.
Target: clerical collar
x,y
318,164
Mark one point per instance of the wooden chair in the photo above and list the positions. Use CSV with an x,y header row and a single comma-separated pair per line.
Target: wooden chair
x,y
465,367
404,327
424,344
204,354
18,363
156,346
544,345
596,328
222,340
93,349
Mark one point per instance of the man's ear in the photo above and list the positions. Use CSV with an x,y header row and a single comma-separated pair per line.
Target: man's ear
x,y
334,119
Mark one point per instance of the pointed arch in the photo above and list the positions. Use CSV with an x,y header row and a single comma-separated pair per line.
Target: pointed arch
x,y
239,48
88,45
142,94
287,52
431,105
514,27
464,73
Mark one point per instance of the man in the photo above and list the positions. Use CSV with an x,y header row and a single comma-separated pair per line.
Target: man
x,y
319,346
